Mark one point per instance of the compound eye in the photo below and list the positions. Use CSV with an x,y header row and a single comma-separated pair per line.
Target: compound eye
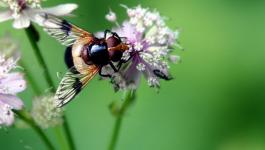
x,y
113,41
99,54
98,48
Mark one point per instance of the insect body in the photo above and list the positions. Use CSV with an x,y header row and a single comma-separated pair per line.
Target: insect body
x,y
85,55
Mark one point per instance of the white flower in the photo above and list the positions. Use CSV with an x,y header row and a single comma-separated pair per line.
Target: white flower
x,y
151,43
174,58
24,11
138,46
140,67
11,83
45,113
9,47
111,16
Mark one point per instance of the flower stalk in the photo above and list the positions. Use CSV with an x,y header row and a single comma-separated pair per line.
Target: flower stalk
x,y
68,134
23,115
35,87
33,37
60,136
128,99
57,130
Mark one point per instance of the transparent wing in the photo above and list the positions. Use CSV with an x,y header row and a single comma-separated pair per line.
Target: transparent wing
x,y
65,32
72,83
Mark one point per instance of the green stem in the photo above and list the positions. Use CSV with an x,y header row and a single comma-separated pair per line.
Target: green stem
x,y
30,122
37,91
129,97
31,33
68,134
60,136
30,78
34,37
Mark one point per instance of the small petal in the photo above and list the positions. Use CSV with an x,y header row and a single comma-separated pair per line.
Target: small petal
x,y
174,58
132,74
40,19
138,46
6,115
21,22
128,31
140,67
13,101
153,82
111,16
6,15
61,10
13,83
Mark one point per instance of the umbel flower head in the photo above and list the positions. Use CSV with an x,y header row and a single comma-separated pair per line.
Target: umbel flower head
x,y
11,83
45,113
24,11
151,43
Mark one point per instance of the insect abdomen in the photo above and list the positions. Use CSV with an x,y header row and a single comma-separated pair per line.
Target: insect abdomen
x,y
68,58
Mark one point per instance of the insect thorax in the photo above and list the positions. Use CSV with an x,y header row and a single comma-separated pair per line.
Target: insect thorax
x,y
98,54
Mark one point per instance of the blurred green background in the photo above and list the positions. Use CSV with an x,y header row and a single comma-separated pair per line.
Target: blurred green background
x,y
215,102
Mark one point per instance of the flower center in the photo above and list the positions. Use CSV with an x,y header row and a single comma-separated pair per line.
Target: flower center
x,y
22,4
17,6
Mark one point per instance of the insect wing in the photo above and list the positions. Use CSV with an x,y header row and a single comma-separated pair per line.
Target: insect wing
x,y
72,83
65,32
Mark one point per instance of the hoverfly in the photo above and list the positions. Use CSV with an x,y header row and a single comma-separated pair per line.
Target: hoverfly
x,y
85,55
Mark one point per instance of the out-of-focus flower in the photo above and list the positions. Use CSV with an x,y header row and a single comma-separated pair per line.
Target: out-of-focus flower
x,y
111,16
151,43
45,113
11,83
9,47
24,11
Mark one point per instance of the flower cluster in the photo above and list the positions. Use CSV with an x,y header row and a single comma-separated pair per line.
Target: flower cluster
x,y
45,113
16,6
151,42
11,83
24,11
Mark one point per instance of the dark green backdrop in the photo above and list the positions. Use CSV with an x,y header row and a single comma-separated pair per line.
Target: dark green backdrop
x,y
215,102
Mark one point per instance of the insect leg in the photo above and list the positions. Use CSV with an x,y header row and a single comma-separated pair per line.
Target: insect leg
x,y
113,67
103,75
113,33
108,75
106,32
161,75
124,61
